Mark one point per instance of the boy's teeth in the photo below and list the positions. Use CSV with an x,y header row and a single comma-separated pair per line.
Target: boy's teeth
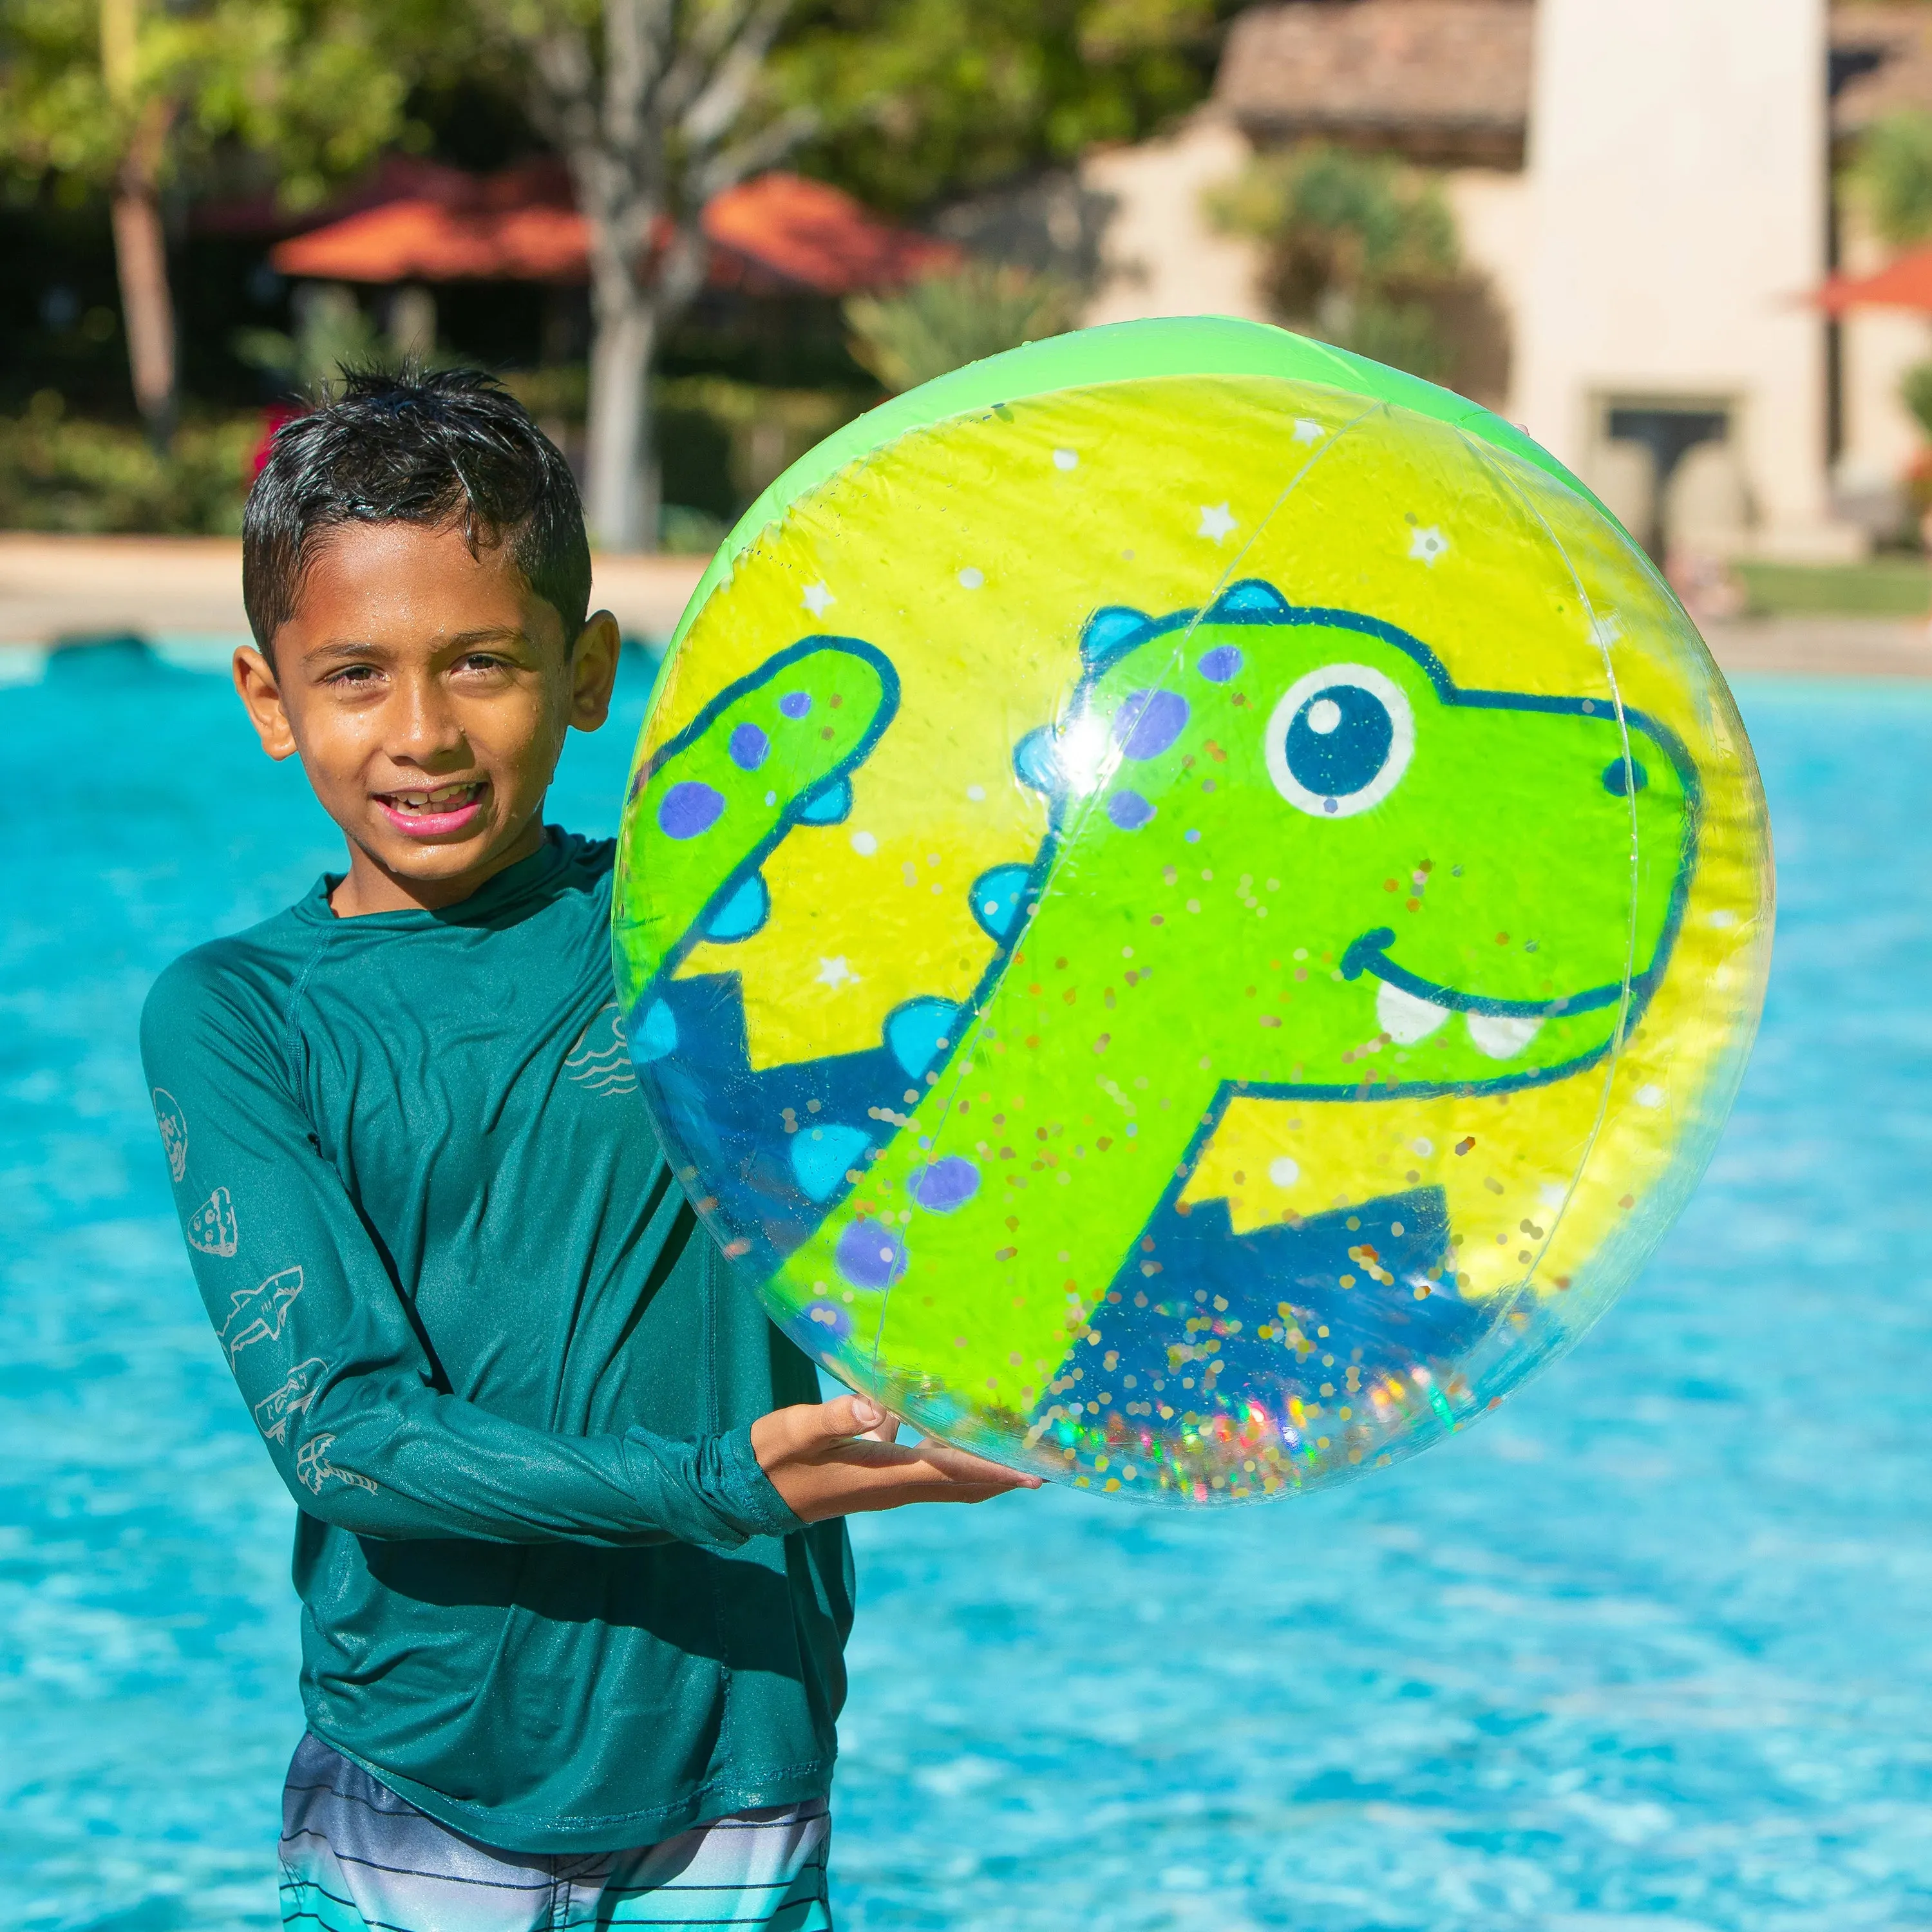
x,y
443,795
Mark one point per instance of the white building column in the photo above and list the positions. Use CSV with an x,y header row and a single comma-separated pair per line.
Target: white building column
x,y
1678,178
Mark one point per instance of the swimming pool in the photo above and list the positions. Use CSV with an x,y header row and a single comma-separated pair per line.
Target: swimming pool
x,y
1649,1648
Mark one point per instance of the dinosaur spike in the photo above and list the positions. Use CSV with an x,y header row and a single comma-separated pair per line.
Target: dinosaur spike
x,y
1113,630
1250,598
832,806
1036,761
741,914
919,1032
998,899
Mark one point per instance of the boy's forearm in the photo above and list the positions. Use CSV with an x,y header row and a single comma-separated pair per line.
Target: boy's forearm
x,y
431,1465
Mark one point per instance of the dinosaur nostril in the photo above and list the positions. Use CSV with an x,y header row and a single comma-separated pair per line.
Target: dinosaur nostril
x,y
1622,777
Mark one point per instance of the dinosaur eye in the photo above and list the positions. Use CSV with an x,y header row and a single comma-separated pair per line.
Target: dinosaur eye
x,y
1339,740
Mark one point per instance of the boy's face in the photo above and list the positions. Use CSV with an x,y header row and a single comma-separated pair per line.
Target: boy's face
x,y
427,692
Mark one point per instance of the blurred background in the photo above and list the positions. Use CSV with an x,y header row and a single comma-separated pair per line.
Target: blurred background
x,y
1690,253
1649,1648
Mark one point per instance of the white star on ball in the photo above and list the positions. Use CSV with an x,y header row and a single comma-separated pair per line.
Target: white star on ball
x,y
1307,429
1215,522
816,598
836,973
1428,544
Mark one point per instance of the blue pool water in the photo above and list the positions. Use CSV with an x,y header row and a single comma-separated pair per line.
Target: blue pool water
x,y
1651,1648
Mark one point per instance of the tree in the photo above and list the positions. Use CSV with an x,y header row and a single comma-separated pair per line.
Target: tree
x,y
655,106
920,99
125,97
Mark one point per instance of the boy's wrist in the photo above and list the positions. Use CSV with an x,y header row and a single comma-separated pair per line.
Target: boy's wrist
x,y
755,1499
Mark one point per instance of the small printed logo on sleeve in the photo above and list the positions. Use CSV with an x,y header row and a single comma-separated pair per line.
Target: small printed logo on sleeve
x,y
173,1124
260,1313
210,1228
296,1393
601,1059
314,1468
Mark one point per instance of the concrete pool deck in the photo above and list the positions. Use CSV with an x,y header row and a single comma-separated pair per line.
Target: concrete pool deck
x,y
56,589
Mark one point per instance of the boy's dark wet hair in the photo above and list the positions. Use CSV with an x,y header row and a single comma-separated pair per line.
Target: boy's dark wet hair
x,y
449,447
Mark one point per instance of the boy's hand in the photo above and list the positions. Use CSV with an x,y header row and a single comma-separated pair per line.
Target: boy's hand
x,y
839,1459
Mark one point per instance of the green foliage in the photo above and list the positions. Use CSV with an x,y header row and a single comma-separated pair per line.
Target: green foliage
x,y
1914,390
1881,586
315,86
57,474
1892,176
331,334
943,322
919,98
1362,251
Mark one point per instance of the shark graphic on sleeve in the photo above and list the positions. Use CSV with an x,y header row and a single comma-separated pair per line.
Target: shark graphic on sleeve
x,y
273,1411
314,1468
212,1228
260,1313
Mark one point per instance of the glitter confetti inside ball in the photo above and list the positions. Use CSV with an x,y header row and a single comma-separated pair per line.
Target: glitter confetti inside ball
x,y
1190,908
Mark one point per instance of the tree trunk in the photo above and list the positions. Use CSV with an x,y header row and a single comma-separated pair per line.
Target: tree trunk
x,y
141,261
621,502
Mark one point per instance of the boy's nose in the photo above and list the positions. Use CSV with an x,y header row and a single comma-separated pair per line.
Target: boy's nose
x,y
425,724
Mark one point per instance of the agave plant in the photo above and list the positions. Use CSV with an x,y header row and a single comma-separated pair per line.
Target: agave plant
x,y
943,321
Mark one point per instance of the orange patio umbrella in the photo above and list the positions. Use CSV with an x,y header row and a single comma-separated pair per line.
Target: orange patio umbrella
x,y
1906,282
520,227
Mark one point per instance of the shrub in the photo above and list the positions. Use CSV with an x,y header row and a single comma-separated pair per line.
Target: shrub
x,y
58,473
1892,174
943,322
1362,251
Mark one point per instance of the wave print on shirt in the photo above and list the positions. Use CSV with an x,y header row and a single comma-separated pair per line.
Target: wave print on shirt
x,y
601,1059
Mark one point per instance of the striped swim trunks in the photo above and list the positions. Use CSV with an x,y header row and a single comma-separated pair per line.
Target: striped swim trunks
x,y
356,1858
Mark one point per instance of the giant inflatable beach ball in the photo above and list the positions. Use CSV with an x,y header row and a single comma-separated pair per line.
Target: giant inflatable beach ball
x,y
1190,908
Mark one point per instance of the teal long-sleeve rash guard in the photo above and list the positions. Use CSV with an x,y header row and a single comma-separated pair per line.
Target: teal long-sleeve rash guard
x,y
548,1594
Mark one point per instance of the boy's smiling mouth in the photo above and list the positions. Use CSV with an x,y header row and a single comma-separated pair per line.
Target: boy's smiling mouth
x,y
435,811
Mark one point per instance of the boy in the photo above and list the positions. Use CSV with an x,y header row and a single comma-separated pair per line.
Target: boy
x,y
574,1584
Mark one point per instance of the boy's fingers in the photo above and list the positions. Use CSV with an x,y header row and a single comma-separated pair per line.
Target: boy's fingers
x,y
846,1416
961,1465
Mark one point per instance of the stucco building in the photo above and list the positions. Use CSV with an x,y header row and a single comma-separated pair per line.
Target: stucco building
x,y
1645,184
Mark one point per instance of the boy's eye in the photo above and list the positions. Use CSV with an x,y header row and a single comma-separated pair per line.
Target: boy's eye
x,y
354,674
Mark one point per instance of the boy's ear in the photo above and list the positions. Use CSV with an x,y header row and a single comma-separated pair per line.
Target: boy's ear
x,y
262,698
593,670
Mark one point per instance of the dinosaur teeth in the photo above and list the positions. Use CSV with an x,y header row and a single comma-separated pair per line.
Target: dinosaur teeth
x,y
1502,1037
1405,1019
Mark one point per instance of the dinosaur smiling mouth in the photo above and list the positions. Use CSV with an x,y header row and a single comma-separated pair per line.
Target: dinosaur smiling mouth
x,y
1411,1008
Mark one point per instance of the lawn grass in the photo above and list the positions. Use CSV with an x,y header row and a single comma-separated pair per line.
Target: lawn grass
x,y
1882,587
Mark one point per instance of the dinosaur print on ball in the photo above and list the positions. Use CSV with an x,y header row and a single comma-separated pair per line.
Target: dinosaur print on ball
x,y
1184,1048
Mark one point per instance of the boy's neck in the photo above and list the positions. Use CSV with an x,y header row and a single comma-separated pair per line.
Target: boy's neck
x,y
369,886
